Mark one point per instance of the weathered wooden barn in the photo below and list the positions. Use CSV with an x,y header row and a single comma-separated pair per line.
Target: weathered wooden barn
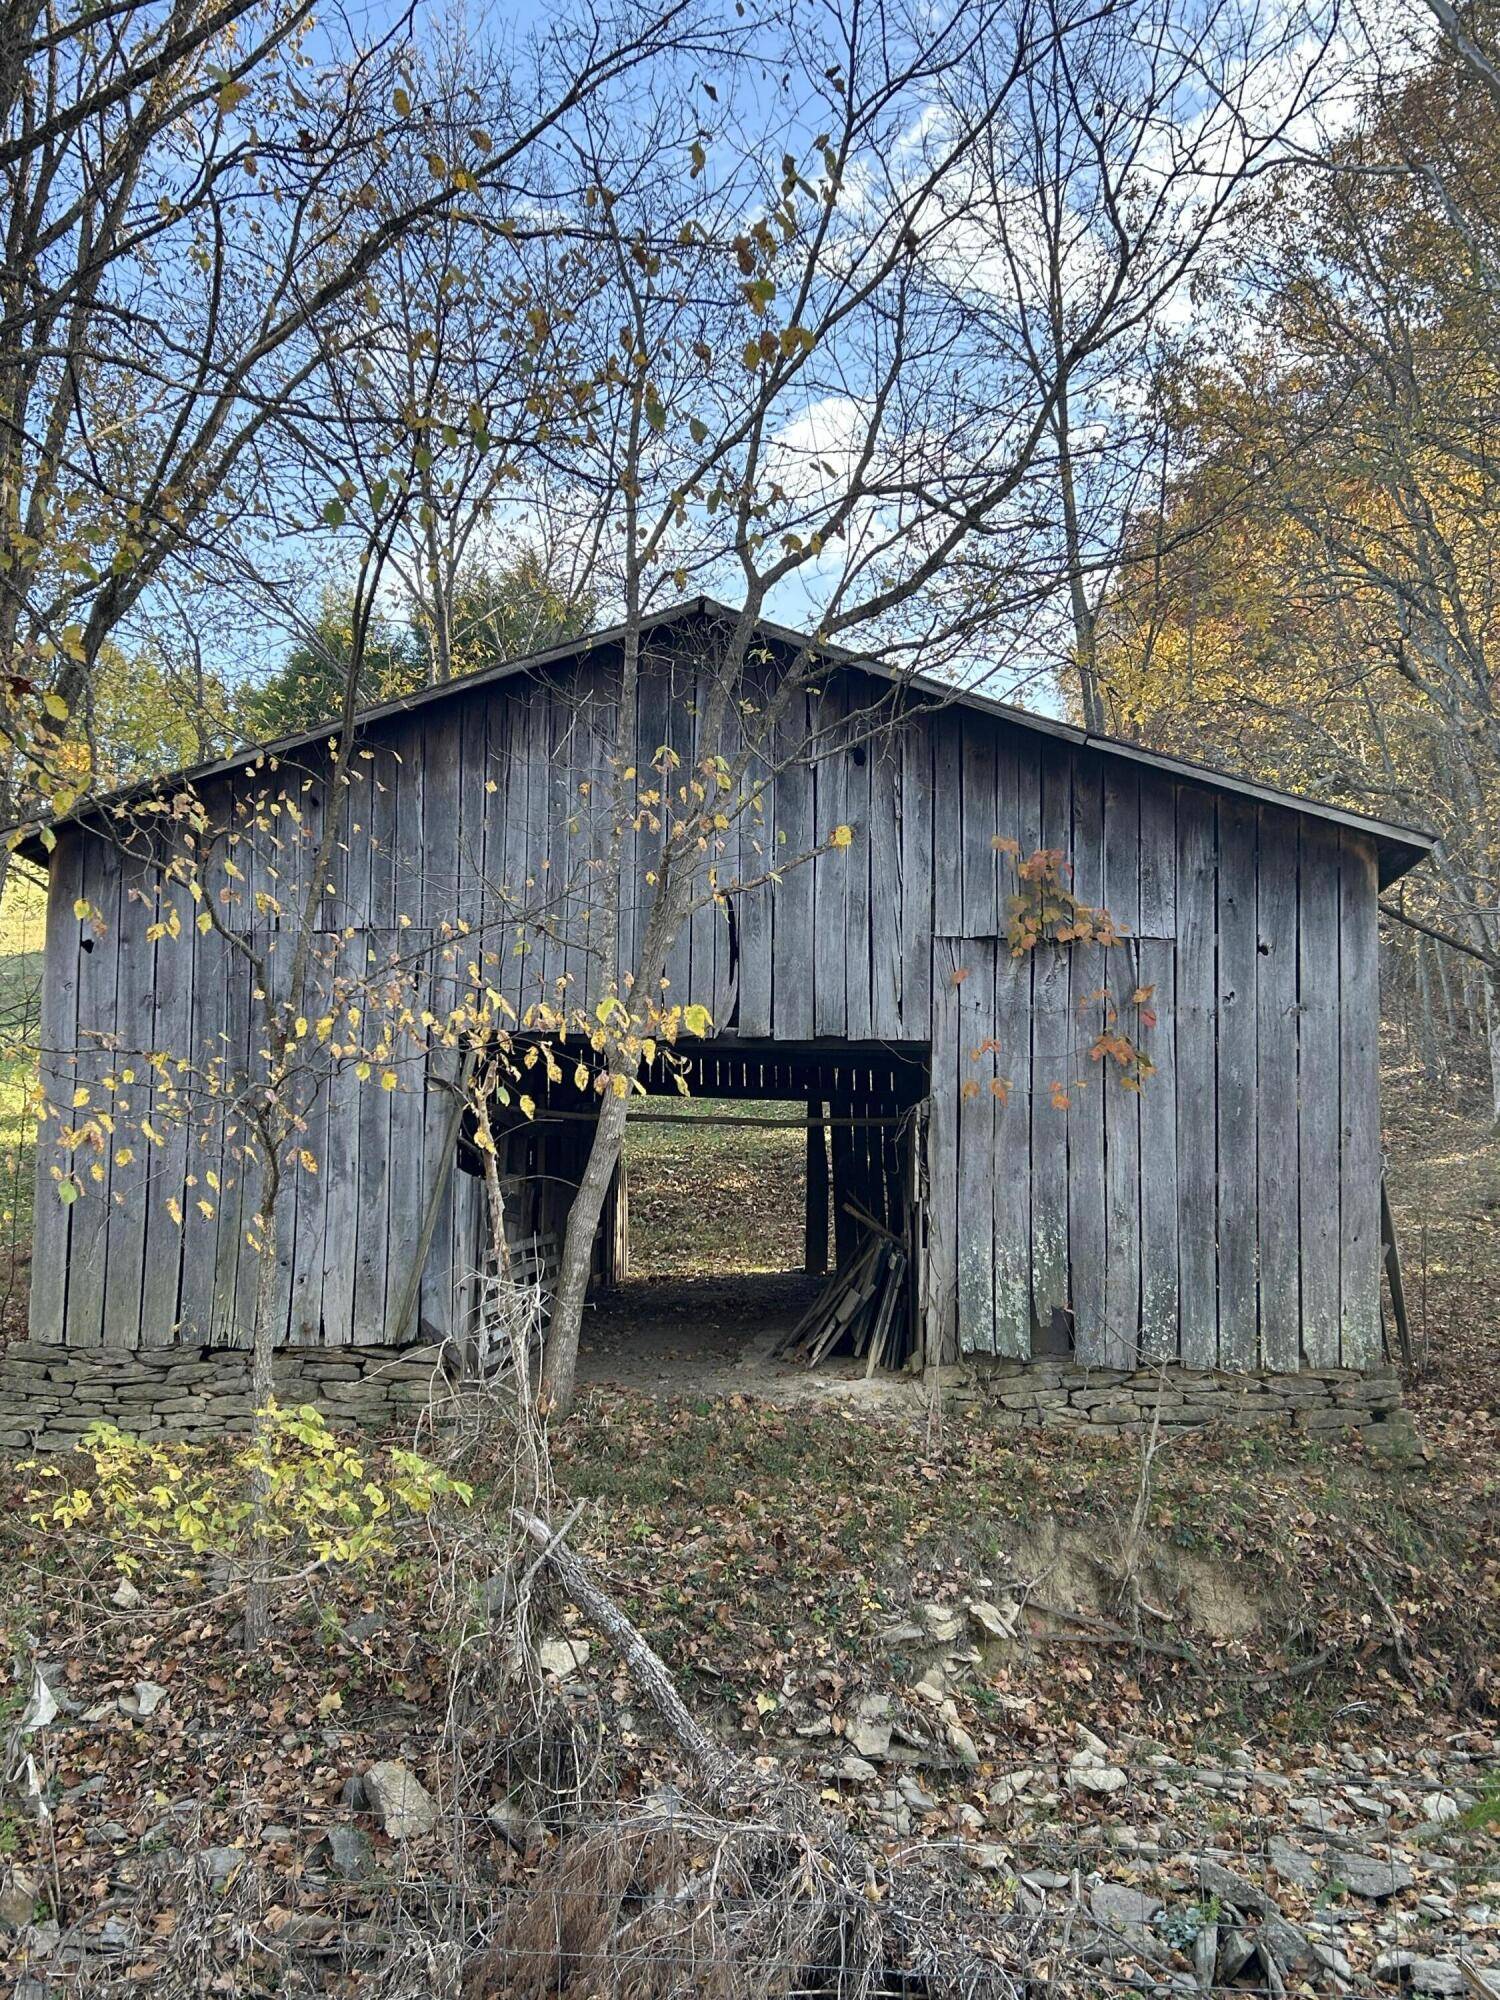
x,y
1226,1215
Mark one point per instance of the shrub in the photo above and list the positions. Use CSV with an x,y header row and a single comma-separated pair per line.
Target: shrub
x,y
293,1485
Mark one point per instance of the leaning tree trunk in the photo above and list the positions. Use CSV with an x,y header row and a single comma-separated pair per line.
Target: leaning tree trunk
x,y
262,1392
560,1368
560,1364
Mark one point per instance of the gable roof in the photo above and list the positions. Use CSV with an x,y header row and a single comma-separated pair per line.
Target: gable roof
x,y
1398,848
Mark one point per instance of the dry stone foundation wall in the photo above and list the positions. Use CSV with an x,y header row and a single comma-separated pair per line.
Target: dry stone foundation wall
x,y
1042,1394
50,1395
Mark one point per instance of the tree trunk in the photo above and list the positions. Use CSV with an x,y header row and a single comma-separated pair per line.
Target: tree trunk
x,y
560,1367
263,1390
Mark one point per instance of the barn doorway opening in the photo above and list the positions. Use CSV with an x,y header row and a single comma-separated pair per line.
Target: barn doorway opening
x,y
741,1207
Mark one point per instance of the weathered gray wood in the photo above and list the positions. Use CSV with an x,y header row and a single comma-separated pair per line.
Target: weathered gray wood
x,y
58,1029
946,728
721,872
173,1115
1276,1097
130,1148
373,1220
1051,1070
341,1163
1157,969
680,734
698,807
312,1183
914,742
1318,1094
1359,1097
233,1326
858,943
792,907
977,828
1239,1325
98,968
1197,1079
831,869
212,959
1095,1342
974,1071
1122,1132
755,905
886,886
940,1315
1018,810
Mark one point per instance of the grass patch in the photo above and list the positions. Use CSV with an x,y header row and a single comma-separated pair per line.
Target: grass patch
x,y
710,1197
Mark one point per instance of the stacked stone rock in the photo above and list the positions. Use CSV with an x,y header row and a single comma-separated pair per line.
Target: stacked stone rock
x,y
50,1395
1055,1394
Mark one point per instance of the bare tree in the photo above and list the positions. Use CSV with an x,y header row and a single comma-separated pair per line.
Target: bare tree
x,y
193,204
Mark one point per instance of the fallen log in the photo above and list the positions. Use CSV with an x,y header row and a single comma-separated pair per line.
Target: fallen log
x,y
756,1893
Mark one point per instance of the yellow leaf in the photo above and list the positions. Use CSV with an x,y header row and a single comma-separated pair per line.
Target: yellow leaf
x,y
842,836
80,1098
55,706
387,1079
82,909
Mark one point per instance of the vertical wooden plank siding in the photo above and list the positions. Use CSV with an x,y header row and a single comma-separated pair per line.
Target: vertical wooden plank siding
x,y
1318,1084
792,906
886,888
679,731
947,825
979,828
98,969
175,1111
1122,1131
1051,1063
1018,818
1359,1098
857,858
238,1189
913,745
1088,974
940,1315
1276,1098
340,1165
1197,1081
58,1030
831,868
971,1077
130,1149
1157,969
755,905
1239,1325
373,1220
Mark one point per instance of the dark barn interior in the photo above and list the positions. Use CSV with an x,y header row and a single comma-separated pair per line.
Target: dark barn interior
x,y
854,1113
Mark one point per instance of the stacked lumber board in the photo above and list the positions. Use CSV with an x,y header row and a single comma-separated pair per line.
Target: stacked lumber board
x,y
861,1311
